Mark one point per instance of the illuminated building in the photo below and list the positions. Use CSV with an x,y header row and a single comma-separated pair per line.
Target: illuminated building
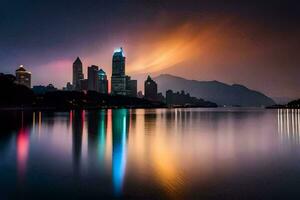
x,y
93,78
118,78
23,77
120,83
103,82
77,73
150,89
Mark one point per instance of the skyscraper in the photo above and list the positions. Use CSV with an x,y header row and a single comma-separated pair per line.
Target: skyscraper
x,y
103,82
23,76
93,78
77,73
150,89
131,87
118,78
118,64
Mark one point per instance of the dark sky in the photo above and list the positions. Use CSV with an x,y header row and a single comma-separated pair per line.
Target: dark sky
x,y
255,43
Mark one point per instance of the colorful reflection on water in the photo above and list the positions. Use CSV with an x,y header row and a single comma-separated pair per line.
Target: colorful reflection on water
x,y
163,153
22,150
289,124
120,130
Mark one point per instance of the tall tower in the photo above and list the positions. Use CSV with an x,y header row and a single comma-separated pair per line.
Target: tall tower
x,y
118,78
23,76
150,89
77,73
118,63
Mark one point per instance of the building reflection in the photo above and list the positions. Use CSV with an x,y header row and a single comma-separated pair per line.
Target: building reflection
x,y
92,136
97,128
102,130
77,130
120,124
288,123
99,123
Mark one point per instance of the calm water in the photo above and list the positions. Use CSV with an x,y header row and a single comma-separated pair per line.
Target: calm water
x,y
152,154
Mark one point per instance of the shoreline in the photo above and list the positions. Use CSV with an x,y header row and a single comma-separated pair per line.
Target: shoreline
x,y
29,108
94,108
127,107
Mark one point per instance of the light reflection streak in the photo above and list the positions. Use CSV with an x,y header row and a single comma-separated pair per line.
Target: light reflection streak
x,y
288,124
102,134
70,118
108,149
298,120
40,123
33,122
119,134
22,151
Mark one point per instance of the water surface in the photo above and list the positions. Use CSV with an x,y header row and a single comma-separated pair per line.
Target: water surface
x,y
154,154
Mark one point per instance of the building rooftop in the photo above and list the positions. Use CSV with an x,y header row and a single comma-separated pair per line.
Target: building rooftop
x,y
22,69
101,72
77,61
119,52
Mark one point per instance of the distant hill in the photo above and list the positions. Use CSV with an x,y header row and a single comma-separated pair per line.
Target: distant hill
x,y
214,91
282,100
294,104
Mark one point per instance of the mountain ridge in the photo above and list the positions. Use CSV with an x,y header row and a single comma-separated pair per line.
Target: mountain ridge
x,y
215,91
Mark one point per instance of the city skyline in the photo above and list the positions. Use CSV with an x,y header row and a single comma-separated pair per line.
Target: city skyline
x,y
149,99
197,40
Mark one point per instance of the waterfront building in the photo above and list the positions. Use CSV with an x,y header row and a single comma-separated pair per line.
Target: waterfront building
x,y
68,87
103,82
160,97
93,78
169,97
131,87
77,74
185,99
118,78
23,76
83,85
150,87
120,83
40,89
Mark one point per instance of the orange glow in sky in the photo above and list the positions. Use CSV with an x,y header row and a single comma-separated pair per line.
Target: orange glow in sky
x,y
185,42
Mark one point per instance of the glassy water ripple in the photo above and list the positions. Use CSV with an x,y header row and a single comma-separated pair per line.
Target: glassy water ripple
x,y
152,154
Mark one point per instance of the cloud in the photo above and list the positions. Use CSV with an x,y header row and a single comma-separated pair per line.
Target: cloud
x,y
163,49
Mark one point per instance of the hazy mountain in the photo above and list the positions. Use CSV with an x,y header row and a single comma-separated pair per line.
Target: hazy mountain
x,y
214,91
282,100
